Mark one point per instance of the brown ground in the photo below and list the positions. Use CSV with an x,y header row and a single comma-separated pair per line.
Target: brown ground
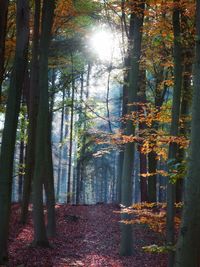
x,y
91,239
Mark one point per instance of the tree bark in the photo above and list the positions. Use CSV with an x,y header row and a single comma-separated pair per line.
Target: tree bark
x,y
188,246
42,157
3,23
142,126
174,130
71,138
10,125
136,23
61,146
33,102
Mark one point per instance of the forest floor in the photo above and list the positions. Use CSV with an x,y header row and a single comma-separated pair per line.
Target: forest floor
x,y
86,236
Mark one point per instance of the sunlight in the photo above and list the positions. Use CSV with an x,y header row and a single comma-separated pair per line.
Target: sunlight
x,y
103,44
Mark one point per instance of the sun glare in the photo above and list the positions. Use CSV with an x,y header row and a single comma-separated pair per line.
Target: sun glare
x,y
103,44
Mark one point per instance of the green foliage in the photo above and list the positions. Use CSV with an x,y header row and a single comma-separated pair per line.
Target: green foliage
x,y
23,122
158,249
177,170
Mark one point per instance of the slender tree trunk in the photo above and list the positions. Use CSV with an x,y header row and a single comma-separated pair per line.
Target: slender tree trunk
x,y
142,127
83,150
188,56
126,246
124,96
80,145
10,126
61,146
3,23
124,112
188,246
49,184
119,176
78,181
107,98
152,163
152,156
21,169
42,157
71,141
63,188
22,148
184,113
174,126
33,102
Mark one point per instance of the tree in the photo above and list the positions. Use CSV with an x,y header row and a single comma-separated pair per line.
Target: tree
x,y
136,24
69,197
42,156
174,130
188,249
32,102
10,125
3,22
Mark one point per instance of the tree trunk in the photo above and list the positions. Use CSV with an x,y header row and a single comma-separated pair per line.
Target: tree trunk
x,y
184,113
188,246
152,162
188,56
49,185
152,156
10,125
142,127
61,147
21,153
71,139
3,23
33,102
174,130
126,246
42,157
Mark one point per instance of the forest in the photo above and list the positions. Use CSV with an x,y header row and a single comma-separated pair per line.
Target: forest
x,y
99,133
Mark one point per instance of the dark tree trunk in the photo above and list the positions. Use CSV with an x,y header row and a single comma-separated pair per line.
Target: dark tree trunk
x,y
174,130
123,113
142,127
71,137
188,246
152,156
21,170
10,126
22,149
49,184
61,147
43,148
33,102
3,23
152,162
184,113
126,246
188,56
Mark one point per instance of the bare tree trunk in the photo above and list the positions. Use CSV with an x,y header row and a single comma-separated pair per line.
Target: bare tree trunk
x,y
33,102
49,184
22,149
142,127
188,246
107,98
3,23
43,148
61,146
174,130
10,126
126,246
71,138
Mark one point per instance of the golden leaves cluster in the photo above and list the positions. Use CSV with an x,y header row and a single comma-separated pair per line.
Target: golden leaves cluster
x,y
151,214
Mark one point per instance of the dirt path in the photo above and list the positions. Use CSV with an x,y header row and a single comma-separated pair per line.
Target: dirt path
x,y
90,239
